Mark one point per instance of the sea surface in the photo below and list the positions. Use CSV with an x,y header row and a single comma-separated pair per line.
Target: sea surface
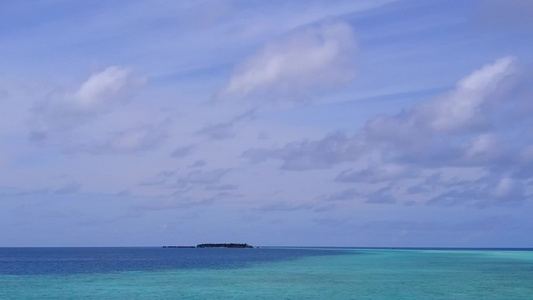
x,y
265,273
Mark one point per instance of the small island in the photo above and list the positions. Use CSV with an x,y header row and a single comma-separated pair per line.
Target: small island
x,y
226,245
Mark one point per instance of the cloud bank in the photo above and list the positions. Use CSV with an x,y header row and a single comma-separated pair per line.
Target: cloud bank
x,y
479,126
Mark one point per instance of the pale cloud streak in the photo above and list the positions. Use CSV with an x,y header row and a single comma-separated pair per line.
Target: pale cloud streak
x,y
141,138
309,60
100,93
463,108
333,149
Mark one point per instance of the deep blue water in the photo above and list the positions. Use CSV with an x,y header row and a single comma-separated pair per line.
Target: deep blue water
x,y
43,261
266,273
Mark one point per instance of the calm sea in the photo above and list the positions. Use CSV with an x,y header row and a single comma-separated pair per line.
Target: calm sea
x,y
265,273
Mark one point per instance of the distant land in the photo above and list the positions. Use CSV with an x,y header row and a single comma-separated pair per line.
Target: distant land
x,y
224,245
230,245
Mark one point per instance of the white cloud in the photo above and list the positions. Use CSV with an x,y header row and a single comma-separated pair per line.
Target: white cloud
x,y
100,93
462,108
315,58
442,131
110,85
468,108
471,128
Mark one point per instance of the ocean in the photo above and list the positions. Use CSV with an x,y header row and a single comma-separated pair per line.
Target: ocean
x,y
265,273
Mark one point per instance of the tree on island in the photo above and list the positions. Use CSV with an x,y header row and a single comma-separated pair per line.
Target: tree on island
x,y
225,245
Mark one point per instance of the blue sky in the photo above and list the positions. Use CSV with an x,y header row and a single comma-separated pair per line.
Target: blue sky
x,y
310,123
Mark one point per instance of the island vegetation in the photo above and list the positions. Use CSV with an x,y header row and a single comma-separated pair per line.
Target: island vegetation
x,y
225,245
211,245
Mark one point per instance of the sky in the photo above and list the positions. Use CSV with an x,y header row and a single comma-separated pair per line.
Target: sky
x,y
357,123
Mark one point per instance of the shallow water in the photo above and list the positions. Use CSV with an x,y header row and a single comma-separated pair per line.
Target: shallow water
x,y
152,273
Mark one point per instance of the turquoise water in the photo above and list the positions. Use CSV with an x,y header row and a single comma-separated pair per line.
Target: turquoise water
x,y
285,274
